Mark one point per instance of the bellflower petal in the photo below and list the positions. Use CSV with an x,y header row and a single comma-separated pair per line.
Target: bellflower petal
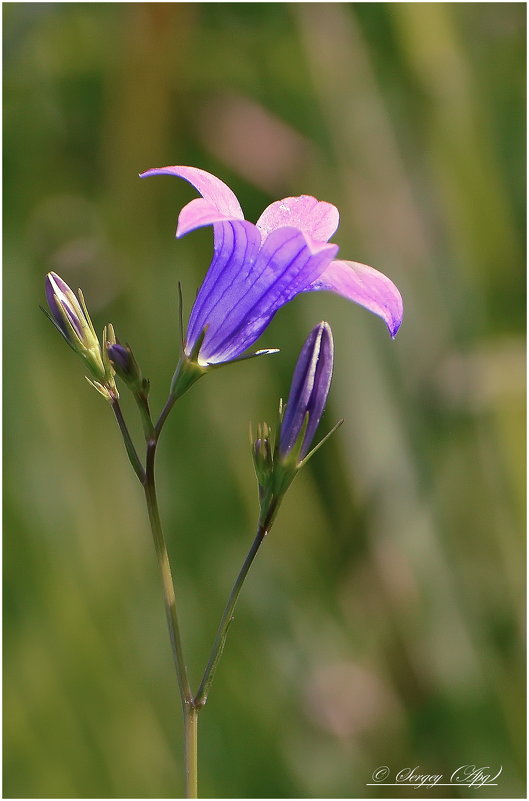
x,y
309,390
197,214
237,244
316,218
366,286
218,202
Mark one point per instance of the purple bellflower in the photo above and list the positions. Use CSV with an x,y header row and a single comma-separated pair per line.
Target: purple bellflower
x,y
277,466
257,269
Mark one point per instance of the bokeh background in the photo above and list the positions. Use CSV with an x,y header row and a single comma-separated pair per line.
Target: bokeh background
x,y
382,623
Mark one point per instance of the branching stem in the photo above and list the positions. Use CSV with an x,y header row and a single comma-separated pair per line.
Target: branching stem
x,y
191,706
129,445
227,617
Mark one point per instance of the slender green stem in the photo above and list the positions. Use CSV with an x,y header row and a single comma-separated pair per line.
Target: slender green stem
x,y
145,414
147,478
187,372
226,619
170,402
189,709
167,579
129,445
191,750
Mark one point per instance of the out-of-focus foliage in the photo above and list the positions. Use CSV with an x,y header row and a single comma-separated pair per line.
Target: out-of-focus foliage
x,y
382,622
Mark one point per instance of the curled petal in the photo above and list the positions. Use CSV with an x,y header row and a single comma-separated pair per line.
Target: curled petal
x,y
218,201
197,214
211,188
366,286
316,218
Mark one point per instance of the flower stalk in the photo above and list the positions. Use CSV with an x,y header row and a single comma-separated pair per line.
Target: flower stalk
x,y
227,617
129,445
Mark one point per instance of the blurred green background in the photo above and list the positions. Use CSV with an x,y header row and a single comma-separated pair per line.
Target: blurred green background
x,y
383,621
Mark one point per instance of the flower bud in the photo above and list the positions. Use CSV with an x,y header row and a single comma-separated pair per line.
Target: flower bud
x,y
122,360
277,466
262,455
308,394
70,316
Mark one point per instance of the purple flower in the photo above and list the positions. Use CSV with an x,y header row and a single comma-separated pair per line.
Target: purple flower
x,y
308,392
256,269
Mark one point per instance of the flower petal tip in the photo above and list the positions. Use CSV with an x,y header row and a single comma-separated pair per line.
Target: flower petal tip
x,y
394,329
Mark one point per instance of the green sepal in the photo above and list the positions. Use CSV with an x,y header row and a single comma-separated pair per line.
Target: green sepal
x,y
108,393
262,454
87,322
186,374
109,338
311,453
181,316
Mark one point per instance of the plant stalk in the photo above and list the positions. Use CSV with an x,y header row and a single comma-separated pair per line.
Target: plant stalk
x,y
191,749
167,579
129,445
226,619
190,712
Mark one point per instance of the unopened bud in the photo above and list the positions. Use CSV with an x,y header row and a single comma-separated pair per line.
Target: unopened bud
x,y
70,316
262,455
308,394
122,360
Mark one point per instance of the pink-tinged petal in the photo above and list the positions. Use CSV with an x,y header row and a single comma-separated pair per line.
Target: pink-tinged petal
x,y
197,214
315,218
211,188
366,286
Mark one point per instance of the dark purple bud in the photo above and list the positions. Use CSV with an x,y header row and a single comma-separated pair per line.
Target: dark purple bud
x,y
308,393
120,357
123,361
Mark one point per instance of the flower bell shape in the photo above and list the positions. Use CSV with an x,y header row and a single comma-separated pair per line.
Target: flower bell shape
x,y
308,393
257,269
70,316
